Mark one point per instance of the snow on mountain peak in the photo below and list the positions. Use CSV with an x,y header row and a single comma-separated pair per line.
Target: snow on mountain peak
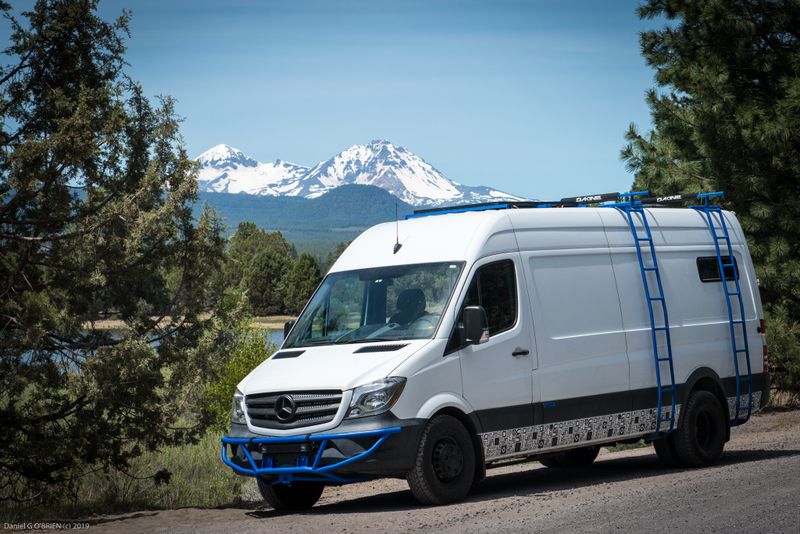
x,y
379,163
220,155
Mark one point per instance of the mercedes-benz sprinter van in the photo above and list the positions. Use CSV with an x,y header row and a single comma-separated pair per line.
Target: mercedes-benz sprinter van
x,y
455,339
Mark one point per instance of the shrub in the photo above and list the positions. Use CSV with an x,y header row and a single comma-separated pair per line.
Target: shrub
x,y
783,339
250,349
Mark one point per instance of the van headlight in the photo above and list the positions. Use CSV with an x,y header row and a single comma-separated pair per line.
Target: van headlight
x,y
376,398
237,412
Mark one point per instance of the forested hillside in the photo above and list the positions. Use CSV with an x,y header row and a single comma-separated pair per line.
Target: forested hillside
x,y
312,225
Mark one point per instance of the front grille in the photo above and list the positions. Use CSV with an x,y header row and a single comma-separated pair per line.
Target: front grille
x,y
272,410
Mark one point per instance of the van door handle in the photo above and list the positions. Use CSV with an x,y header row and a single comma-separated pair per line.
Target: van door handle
x,y
520,352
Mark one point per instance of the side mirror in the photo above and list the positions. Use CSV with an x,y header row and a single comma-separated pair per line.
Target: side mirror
x,y
287,327
476,325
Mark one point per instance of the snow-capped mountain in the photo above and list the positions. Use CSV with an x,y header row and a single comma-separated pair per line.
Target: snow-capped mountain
x,y
379,163
224,169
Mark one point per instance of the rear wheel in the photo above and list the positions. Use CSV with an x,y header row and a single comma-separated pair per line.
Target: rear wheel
x,y
444,468
291,497
665,450
700,439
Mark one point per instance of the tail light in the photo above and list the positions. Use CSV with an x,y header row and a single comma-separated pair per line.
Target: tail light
x,y
762,329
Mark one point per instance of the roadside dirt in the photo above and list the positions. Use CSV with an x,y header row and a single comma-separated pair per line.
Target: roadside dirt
x,y
755,488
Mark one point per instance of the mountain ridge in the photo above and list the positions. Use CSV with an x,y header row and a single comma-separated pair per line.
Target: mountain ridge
x,y
313,225
380,163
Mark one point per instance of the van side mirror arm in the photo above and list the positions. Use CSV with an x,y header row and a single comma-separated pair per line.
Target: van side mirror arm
x,y
476,325
287,327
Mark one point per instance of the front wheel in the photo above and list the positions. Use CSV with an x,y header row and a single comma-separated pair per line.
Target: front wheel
x,y
444,468
700,439
291,497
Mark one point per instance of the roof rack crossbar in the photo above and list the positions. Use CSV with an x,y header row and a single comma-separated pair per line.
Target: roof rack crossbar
x,y
610,200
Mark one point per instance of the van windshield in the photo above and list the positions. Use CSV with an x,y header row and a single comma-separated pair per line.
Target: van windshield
x,y
377,304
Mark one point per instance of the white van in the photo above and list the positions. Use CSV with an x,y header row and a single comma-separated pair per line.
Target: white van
x,y
445,343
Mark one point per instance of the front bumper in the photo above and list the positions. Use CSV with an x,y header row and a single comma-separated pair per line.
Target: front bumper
x,y
359,450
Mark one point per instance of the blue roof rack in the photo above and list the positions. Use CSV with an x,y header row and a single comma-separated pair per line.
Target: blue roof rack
x,y
615,199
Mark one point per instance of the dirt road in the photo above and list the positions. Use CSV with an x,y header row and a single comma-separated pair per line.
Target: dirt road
x,y
755,488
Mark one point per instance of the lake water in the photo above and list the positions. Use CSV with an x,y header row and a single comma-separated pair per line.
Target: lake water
x,y
276,336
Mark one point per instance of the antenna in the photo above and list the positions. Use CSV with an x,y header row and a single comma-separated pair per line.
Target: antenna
x,y
397,244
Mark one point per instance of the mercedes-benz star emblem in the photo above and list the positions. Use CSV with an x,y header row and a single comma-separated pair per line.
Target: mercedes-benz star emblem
x,y
285,408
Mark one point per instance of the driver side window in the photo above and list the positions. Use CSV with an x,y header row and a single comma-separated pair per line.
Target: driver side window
x,y
494,287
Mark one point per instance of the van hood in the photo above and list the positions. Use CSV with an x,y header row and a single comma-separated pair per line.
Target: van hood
x,y
340,367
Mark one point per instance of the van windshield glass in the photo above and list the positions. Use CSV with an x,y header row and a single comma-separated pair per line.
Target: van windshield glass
x,y
377,304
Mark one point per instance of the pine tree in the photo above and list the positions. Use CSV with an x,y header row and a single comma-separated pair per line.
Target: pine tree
x,y
96,194
302,280
727,117
265,282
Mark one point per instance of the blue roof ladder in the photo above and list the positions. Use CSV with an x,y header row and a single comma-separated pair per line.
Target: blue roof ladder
x,y
736,318
654,295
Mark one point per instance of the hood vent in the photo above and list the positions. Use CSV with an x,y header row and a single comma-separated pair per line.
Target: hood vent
x,y
381,348
287,354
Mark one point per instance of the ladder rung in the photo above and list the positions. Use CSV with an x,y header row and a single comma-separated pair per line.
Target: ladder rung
x,y
649,268
643,238
660,328
656,298
737,321
727,265
668,388
741,350
734,293
745,378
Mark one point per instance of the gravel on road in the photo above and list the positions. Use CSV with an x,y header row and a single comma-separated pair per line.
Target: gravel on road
x,y
754,488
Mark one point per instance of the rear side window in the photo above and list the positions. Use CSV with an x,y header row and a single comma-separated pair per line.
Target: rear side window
x,y
494,287
708,268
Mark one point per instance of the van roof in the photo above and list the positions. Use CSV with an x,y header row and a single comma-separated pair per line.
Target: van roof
x,y
470,235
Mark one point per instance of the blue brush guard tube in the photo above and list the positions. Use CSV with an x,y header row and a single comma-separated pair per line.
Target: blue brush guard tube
x,y
313,472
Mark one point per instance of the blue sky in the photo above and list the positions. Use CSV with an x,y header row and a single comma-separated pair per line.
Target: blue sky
x,y
528,97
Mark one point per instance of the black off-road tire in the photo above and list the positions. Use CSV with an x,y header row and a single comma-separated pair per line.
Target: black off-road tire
x,y
551,461
665,450
444,467
291,497
581,457
700,439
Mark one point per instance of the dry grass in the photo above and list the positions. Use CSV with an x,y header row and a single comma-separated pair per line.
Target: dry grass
x,y
271,322
198,479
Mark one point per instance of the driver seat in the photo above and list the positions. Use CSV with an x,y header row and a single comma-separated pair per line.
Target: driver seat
x,y
411,305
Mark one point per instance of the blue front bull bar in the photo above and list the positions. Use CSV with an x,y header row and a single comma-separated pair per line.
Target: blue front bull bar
x,y
302,471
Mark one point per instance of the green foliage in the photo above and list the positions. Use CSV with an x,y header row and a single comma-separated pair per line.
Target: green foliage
x,y
301,281
249,350
265,282
726,117
258,262
347,211
783,340
197,478
96,222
